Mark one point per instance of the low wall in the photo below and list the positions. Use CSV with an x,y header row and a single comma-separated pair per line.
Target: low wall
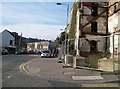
x,y
75,61
108,65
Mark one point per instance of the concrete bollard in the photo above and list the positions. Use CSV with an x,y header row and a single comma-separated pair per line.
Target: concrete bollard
x,y
70,60
78,61
74,62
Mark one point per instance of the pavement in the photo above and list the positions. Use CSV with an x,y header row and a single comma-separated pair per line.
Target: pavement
x,y
50,69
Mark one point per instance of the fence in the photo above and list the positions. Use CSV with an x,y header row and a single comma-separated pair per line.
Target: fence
x,y
94,47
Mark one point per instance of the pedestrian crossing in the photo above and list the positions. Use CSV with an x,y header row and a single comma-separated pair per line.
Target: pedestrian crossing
x,y
87,77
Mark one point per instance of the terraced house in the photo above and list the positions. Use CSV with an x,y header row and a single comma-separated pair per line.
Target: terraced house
x,y
40,46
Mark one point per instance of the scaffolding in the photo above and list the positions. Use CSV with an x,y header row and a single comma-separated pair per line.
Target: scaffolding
x,y
89,17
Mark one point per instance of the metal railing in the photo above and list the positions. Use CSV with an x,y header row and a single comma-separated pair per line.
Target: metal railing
x,y
97,44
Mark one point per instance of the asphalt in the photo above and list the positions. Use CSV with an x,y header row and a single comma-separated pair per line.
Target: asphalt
x,y
50,69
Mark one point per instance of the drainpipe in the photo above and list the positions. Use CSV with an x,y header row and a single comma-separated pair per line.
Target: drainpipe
x,y
78,29
113,54
106,45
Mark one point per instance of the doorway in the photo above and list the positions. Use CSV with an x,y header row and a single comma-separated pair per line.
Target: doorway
x,y
93,46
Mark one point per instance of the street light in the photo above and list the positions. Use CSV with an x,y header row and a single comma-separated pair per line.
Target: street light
x,y
66,23
67,10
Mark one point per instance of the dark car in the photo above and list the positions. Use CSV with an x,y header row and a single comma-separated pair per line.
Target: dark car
x,y
4,51
21,51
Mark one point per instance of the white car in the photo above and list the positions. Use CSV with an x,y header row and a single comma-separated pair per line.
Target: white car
x,y
45,53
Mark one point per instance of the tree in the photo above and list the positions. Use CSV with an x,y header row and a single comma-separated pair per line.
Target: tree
x,y
72,29
60,39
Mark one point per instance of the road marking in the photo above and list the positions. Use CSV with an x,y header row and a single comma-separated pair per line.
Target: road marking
x,y
101,85
22,67
69,73
9,76
86,77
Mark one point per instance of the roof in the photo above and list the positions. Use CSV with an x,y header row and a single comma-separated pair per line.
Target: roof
x,y
9,32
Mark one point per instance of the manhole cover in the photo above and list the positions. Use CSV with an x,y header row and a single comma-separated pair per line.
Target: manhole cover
x,y
86,77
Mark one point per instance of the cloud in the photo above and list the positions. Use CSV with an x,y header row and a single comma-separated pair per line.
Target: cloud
x,y
33,13
42,31
37,1
39,20
0,13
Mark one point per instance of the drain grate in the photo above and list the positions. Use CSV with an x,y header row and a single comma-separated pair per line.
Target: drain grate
x,y
86,77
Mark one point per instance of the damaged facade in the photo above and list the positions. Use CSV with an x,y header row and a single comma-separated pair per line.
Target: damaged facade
x,y
95,24
92,27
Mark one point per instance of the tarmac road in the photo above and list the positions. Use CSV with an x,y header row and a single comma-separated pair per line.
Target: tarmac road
x,y
44,72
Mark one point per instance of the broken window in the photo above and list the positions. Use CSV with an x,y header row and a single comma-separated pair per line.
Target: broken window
x,y
93,46
94,27
94,10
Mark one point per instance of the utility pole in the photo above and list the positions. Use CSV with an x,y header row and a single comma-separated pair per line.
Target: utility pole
x,y
20,40
113,53
66,47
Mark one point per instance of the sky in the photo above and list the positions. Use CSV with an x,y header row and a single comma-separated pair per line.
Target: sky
x,y
42,20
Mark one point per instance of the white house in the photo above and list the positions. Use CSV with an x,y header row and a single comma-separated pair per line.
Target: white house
x,y
40,46
7,41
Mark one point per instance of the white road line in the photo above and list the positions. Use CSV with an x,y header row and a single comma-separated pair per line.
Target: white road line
x,y
9,76
22,67
86,77
69,73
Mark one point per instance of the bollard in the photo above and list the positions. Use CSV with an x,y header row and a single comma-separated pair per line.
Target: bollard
x,y
74,62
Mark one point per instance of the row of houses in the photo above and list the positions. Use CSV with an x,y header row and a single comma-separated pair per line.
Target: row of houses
x,y
14,42
41,46
11,41
97,26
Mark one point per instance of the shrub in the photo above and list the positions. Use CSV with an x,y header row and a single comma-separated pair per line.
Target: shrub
x,y
73,52
92,60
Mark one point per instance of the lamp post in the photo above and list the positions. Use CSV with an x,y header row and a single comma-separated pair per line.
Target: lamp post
x,y
66,24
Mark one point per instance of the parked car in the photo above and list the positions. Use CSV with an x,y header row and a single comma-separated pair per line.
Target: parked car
x,y
30,52
4,51
21,51
45,53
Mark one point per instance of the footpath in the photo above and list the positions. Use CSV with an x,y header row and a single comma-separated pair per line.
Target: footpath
x,y
49,68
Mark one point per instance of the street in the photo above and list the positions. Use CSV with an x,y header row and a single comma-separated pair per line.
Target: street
x,y
12,75
44,72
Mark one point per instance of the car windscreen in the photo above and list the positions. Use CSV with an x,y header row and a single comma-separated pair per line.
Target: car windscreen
x,y
45,52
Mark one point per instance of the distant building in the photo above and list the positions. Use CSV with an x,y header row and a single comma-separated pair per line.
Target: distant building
x,y
40,46
20,43
7,41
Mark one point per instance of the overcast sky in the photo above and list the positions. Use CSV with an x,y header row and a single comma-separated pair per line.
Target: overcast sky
x,y
33,19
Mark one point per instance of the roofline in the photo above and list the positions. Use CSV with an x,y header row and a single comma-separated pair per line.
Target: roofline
x,y
9,32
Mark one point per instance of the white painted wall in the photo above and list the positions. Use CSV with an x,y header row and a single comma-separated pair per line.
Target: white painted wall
x,y
6,37
113,25
77,33
116,43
